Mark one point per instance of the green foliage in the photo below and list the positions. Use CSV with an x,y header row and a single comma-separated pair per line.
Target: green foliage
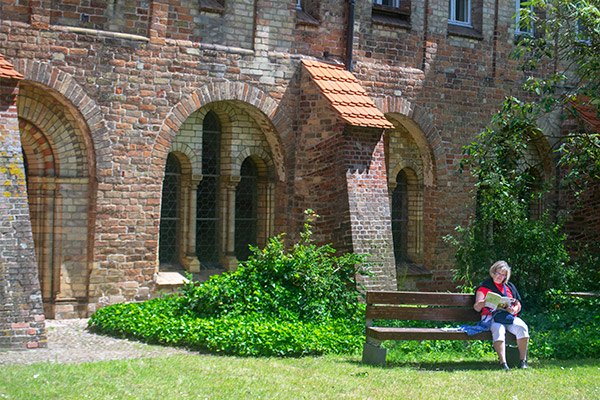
x,y
278,303
562,61
308,283
506,189
567,328
160,321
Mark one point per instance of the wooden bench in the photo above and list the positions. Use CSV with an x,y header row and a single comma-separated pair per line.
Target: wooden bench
x,y
417,306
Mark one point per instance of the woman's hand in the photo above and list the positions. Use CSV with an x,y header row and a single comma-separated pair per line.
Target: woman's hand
x,y
514,308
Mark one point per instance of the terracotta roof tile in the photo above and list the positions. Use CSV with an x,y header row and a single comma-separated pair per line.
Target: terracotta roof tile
x,y
7,70
587,111
346,95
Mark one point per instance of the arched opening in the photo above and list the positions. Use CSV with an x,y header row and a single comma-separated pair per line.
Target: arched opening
x,y
400,217
59,166
170,215
246,210
208,217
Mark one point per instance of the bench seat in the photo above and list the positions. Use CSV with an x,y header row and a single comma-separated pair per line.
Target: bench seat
x,y
385,333
418,306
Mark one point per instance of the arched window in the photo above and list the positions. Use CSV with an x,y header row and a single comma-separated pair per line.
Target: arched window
x,y
207,202
170,218
400,217
246,206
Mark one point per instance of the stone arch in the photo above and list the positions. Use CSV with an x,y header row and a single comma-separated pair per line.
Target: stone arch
x,y
404,165
43,115
186,157
260,156
39,152
422,129
61,128
73,97
546,156
263,108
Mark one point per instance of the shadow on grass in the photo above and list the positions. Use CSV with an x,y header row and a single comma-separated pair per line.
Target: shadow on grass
x,y
482,365
446,366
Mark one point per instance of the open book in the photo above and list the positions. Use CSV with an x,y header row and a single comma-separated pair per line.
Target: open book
x,y
494,301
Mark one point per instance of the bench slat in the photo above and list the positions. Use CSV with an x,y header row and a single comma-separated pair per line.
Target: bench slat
x,y
422,313
383,333
421,298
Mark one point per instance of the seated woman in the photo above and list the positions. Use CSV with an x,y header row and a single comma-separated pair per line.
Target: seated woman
x,y
498,283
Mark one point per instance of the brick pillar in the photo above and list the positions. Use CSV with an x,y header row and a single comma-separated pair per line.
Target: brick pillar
x,y
39,13
22,322
369,203
159,15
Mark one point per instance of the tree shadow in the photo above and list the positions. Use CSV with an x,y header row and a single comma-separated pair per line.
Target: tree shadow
x,y
480,365
446,366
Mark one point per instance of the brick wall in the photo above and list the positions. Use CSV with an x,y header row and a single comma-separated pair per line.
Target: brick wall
x,y
22,322
102,105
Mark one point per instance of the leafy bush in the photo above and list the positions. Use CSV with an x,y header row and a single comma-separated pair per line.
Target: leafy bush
x,y
535,250
567,328
508,186
157,322
278,303
309,283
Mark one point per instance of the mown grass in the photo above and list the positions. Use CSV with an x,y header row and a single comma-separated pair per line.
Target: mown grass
x,y
328,377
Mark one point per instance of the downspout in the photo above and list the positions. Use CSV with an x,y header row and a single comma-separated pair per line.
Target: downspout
x,y
350,35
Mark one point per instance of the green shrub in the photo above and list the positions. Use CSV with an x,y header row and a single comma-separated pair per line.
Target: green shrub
x,y
567,327
278,303
253,334
308,283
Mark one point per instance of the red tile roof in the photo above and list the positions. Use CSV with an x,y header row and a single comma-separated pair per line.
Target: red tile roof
x,y
7,70
346,95
587,112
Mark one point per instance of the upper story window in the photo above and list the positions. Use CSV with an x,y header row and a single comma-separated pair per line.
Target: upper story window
x,y
581,31
215,6
521,27
459,12
306,12
392,12
465,18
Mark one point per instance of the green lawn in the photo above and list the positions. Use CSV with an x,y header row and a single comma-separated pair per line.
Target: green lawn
x,y
330,377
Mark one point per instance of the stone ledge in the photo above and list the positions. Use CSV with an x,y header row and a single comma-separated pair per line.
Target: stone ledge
x,y
170,279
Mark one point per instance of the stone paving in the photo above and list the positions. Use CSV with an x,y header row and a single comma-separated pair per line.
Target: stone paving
x,y
69,341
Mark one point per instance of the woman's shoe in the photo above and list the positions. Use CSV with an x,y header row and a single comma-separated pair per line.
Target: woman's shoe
x,y
524,364
505,366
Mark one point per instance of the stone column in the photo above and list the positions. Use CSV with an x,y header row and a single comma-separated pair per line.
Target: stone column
x,y
191,261
229,184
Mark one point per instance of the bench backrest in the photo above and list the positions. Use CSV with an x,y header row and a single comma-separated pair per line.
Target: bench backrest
x,y
421,306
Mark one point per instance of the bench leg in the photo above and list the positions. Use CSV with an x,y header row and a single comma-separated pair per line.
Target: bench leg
x,y
373,354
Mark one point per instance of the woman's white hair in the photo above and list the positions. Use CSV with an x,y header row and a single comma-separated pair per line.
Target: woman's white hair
x,y
500,266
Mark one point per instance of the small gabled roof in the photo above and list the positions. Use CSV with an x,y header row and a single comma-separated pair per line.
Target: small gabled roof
x,y
7,70
587,111
346,95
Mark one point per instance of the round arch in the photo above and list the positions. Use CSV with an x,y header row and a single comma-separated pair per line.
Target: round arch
x,y
264,109
422,129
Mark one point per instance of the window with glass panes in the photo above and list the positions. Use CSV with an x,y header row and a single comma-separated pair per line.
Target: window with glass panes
x,y
207,202
520,28
246,210
459,12
400,217
170,212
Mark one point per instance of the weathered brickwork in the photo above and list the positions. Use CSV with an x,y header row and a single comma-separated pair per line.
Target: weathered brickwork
x,y
22,321
111,88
